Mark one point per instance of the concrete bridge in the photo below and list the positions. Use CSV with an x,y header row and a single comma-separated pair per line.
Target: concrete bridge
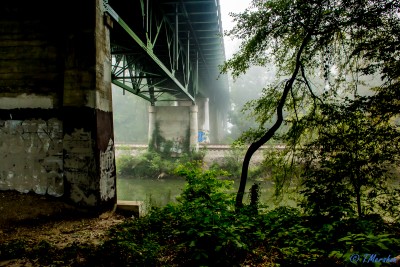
x,y
58,61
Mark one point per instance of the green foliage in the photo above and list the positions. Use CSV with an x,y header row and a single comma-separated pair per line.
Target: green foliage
x,y
281,170
147,165
200,227
151,164
203,185
232,161
272,30
193,156
203,229
381,244
323,51
124,164
348,166
12,249
370,235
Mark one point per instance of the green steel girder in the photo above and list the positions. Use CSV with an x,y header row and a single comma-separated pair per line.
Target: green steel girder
x,y
128,73
168,48
120,69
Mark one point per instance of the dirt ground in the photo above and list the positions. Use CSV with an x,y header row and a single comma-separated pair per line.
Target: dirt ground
x,y
34,218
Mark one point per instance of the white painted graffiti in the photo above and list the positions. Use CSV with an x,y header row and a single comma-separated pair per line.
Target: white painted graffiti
x,y
107,167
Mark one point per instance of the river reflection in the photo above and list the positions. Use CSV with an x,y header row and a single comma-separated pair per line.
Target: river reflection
x,y
155,192
160,192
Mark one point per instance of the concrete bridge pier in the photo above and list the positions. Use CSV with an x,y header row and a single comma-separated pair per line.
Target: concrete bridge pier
x,y
56,130
218,125
204,120
173,129
194,128
182,126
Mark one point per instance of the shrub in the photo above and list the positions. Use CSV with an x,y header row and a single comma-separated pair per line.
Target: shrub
x,y
147,165
124,164
347,167
203,229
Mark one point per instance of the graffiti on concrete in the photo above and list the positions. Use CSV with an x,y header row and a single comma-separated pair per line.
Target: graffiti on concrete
x,y
107,167
79,165
31,156
203,137
174,147
177,145
84,197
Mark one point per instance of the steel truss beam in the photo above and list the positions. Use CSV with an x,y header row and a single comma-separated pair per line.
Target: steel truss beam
x,y
157,63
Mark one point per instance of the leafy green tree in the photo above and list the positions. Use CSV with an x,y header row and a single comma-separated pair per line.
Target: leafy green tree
x,y
337,41
349,166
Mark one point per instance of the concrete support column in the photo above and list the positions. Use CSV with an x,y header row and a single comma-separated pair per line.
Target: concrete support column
x,y
194,128
206,124
204,120
56,128
152,123
176,129
214,124
88,145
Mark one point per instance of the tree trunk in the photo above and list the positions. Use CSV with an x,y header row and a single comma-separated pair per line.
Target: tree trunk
x,y
270,133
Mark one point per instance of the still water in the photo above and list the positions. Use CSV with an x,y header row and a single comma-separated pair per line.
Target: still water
x,y
155,192
158,193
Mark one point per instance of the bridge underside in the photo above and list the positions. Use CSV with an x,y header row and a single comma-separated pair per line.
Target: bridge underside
x,y
169,53
56,71
166,50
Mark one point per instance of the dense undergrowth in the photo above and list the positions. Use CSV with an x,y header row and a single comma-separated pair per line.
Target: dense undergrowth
x,y
151,164
203,229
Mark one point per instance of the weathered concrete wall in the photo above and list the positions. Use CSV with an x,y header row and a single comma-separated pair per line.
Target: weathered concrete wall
x,y
31,156
30,89
88,130
176,125
56,131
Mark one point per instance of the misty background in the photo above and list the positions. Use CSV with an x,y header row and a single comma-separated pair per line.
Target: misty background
x,y
130,111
